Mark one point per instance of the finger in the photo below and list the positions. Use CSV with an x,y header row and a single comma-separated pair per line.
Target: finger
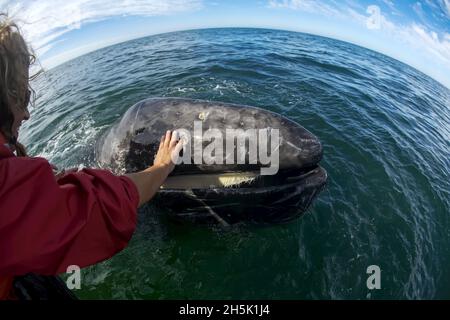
x,y
174,139
161,143
167,139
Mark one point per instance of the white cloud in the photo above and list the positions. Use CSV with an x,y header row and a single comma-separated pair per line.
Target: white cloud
x,y
446,4
420,37
417,7
311,6
390,4
438,46
43,21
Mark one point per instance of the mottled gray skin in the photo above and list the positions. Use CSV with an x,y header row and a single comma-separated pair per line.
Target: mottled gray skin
x,y
131,144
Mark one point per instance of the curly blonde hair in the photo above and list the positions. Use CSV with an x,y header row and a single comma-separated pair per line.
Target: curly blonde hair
x,y
16,57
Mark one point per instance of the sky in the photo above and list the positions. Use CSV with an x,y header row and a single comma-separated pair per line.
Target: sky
x,y
414,32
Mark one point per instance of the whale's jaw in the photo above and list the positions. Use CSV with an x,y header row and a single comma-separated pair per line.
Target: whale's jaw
x,y
241,197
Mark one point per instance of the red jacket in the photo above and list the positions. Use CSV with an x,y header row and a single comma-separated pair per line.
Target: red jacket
x,y
48,224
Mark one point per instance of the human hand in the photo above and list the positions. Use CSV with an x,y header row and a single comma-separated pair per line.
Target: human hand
x,y
169,151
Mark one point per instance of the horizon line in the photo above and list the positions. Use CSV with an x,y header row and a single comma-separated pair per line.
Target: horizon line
x,y
114,43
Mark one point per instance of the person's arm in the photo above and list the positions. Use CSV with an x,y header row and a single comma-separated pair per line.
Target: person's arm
x,y
47,225
148,181
85,217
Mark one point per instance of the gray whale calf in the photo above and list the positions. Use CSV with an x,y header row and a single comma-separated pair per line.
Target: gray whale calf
x,y
226,191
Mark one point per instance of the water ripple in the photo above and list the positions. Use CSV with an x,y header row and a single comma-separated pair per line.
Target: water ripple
x,y
385,128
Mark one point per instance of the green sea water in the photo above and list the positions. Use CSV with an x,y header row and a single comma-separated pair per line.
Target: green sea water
x,y
385,128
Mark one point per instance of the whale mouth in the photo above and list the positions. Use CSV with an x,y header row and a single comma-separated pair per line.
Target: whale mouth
x,y
232,197
240,180
212,181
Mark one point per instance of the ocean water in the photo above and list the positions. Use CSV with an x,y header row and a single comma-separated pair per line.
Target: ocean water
x,y
385,128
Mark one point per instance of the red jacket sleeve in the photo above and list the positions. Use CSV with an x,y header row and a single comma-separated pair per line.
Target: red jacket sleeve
x,y
48,224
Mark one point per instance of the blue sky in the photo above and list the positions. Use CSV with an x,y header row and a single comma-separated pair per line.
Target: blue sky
x,y
415,32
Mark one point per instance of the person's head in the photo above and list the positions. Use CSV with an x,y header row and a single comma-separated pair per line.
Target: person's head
x,y
15,91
